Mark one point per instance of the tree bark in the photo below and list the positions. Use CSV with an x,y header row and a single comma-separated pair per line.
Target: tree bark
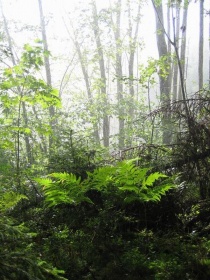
x,y
169,47
164,81
132,51
175,68
87,83
47,71
106,126
209,47
200,62
119,74
183,46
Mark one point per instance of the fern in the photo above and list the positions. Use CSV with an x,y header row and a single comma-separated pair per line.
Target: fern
x,y
131,180
149,181
126,178
9,200
62,188
101,177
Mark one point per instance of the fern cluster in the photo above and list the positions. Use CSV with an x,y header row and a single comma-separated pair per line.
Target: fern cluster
x,y
128,180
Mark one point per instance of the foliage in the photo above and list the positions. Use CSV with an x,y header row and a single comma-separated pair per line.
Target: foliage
x,y
145,218
16,258
159,66
129,181
63,188
20,78
24,99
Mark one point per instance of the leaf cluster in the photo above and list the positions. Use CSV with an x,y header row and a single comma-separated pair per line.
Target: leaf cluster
x,y
128,180
17,261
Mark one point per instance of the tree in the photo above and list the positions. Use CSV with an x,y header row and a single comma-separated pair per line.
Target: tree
x,y
103,80
177,38
164,79
183,45
133,37
47,71
200,61
119,73
25,114
84,67
20,87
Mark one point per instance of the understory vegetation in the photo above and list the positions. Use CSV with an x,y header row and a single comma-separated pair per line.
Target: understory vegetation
x,y
142,213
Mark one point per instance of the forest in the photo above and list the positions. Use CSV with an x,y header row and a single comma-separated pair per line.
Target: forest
x,y
105,140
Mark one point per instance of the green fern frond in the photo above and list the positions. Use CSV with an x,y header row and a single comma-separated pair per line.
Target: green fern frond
x,y
46,182
66,177
101,177
9,200
149,181
63,188
131,181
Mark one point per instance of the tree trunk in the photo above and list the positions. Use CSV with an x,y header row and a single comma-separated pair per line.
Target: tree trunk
x,y
87,84
106,126
175,68
183,46
200,62
209,48
169,47
164,81
47,71
119,74
132,50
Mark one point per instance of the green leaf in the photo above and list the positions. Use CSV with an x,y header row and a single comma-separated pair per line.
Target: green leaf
x,y
149,181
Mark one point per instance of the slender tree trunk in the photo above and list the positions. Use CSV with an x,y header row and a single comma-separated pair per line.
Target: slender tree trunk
x,y
43,145
26,138
87,83
169,45
119,74
132,51
164,81
163,51
106,126
209,48
47,71
175,70
84,68
200,62
183,46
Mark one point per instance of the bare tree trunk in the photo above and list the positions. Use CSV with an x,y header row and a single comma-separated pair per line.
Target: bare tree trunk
x,y
175,72
209,49
84,68
183,46
106,128
87,83
164,81
163,51
200,62
119,73
132,51
47,70
169,46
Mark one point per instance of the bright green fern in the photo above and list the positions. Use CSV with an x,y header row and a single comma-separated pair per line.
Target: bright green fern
x,y
129,181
